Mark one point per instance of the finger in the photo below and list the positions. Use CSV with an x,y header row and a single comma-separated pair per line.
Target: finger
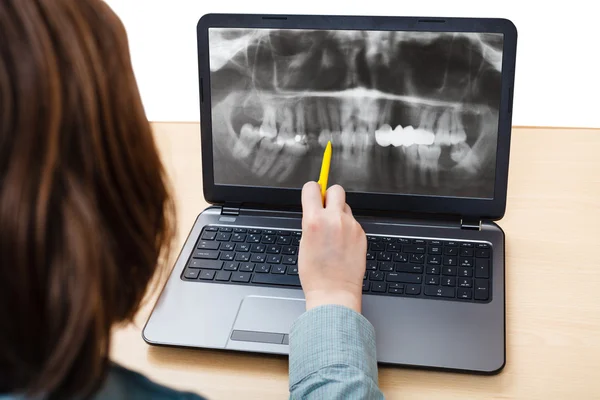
x,y
335,198
311,197
347,209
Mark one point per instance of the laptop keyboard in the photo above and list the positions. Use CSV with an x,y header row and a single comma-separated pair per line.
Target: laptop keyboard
x,y
396,266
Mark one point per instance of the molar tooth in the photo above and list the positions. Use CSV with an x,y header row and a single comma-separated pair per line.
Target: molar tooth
x,y
286,130
459,151
442,135
268,127
457,133
334,115
244,146
411,162
300,124
383,135
324,137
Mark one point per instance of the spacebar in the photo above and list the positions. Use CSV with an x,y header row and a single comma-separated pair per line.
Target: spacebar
x,y
272,279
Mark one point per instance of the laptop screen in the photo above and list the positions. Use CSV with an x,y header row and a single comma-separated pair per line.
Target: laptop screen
x,y
407,112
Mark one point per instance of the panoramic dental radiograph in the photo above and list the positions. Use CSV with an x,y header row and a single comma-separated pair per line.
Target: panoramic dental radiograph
x,y
406,112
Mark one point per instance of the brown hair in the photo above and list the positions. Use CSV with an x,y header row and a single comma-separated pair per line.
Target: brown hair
x,y
85,211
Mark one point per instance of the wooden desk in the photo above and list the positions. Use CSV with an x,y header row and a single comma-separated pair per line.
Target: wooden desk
x,y
552,227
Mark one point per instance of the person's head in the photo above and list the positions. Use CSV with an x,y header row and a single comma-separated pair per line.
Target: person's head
x,y
85,210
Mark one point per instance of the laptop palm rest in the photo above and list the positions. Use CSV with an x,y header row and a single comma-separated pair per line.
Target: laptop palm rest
x,y
263,319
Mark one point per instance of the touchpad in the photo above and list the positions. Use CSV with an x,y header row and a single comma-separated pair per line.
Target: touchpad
x,y
266,319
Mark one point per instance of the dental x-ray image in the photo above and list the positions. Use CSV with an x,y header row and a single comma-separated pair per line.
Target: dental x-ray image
x,y
406,112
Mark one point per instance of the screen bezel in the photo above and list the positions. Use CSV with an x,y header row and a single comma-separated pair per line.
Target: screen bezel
x,y
268,197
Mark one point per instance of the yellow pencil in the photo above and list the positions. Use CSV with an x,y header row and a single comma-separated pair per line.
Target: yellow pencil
x,y
325,171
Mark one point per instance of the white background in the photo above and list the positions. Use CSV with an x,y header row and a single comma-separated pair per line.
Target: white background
x,y
557,79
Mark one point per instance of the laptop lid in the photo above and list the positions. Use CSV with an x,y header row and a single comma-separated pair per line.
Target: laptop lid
x,y
418,110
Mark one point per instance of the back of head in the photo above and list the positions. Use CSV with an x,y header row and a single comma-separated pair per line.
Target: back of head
x,y
84,206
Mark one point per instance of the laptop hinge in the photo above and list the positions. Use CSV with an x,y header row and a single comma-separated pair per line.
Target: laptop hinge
x,y
470,223
230,209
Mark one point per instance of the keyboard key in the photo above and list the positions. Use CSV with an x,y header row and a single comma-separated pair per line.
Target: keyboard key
x,y
209,235
435,250
466,262
413,289
403,278
258,258
208,245
223,237
410,268
432,280
278,269
482,246
246,267
268,239
223,276
274,259
440,291
191,273
482,253
404,241
225,229
284,240
435,242
292,270
230,266
464,293
371,239
468,272
417,258
243,277
255,231
469,245
451,251
227,256
289,260
419,241
269,232
465,282
258,248
387,266
206,275
376,276
400,257
393,247
253,238
297,233
238,237
449,271
450,260
371,265
366,286
227,246
378,287
211,228
432,270
414,249
482,269
387,239
240,230
205,264
451,243
274,249
291,250
272,279
449,281
243,247
263,268
206,254
434,260
466,252
283,233
370,255
377,246
481,289
395,291
384,256
242,257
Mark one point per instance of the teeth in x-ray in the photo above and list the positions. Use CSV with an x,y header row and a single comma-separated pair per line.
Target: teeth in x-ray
x,y
400,136
429,157
459,151
249,137
411,162
457,132
383,135
268,128
442,134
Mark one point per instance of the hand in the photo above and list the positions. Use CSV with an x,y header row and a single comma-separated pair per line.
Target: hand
x,y
332,255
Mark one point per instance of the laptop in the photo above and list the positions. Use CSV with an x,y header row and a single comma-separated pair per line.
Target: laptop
x,y
418,111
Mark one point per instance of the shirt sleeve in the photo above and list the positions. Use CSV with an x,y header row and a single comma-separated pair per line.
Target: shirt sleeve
x,y
333,355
